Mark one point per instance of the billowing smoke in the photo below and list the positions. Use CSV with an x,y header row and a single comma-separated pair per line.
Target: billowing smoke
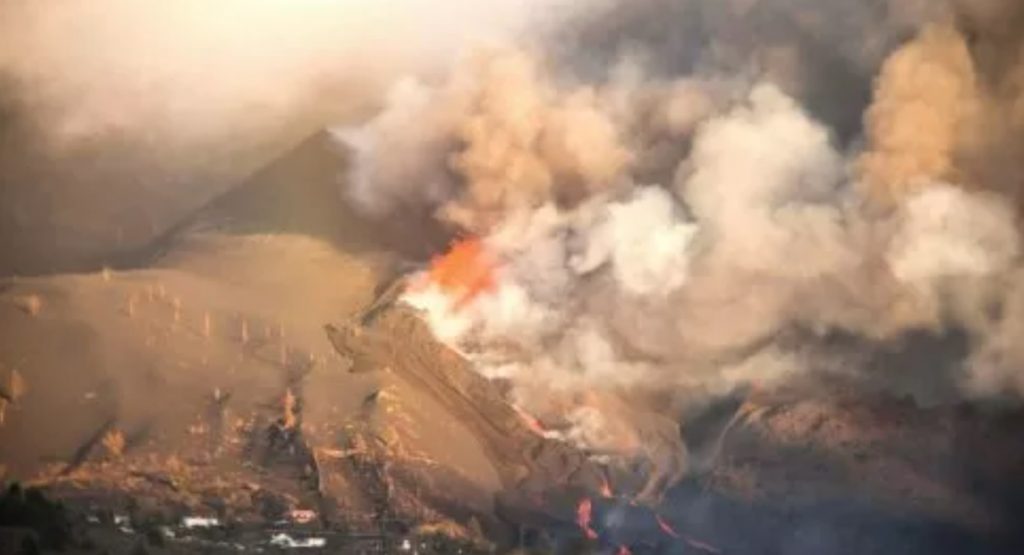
x,y
950,105
671,199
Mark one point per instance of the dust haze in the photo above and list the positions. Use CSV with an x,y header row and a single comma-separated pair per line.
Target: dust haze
x,y
122,116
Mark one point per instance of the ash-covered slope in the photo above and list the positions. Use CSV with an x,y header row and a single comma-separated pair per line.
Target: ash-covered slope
x,y
276,257
388,434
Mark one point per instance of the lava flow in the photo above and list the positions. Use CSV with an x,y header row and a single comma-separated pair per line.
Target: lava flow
x,y
666,528
584,514
606,488
462,273
532,422
696,544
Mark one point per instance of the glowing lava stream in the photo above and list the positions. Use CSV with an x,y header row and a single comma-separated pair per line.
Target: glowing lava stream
x,y
668,530
606,488
532,422
584,514
462,273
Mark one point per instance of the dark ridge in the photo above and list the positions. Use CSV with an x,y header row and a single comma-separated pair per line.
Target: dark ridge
x,y
299,193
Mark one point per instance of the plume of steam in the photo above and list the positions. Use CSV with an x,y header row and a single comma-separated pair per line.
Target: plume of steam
x,y
643,241
947,232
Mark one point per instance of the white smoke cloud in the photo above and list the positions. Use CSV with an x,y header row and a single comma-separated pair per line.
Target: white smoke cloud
x,y
949,232
414,132
645,242
764,179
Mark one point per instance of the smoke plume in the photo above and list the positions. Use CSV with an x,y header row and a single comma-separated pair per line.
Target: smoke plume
x,y
670,211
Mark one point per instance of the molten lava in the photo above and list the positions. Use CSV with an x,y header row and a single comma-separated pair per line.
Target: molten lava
x,y
584,514
606,488
531,421
465,271
696,544
666,528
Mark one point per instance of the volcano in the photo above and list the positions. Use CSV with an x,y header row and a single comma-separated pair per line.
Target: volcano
x,y
252,381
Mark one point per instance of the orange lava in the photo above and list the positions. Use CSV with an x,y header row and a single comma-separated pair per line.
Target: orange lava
x,y
702,546
606,487
584,514
531,421
697,544
465,271
665,527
